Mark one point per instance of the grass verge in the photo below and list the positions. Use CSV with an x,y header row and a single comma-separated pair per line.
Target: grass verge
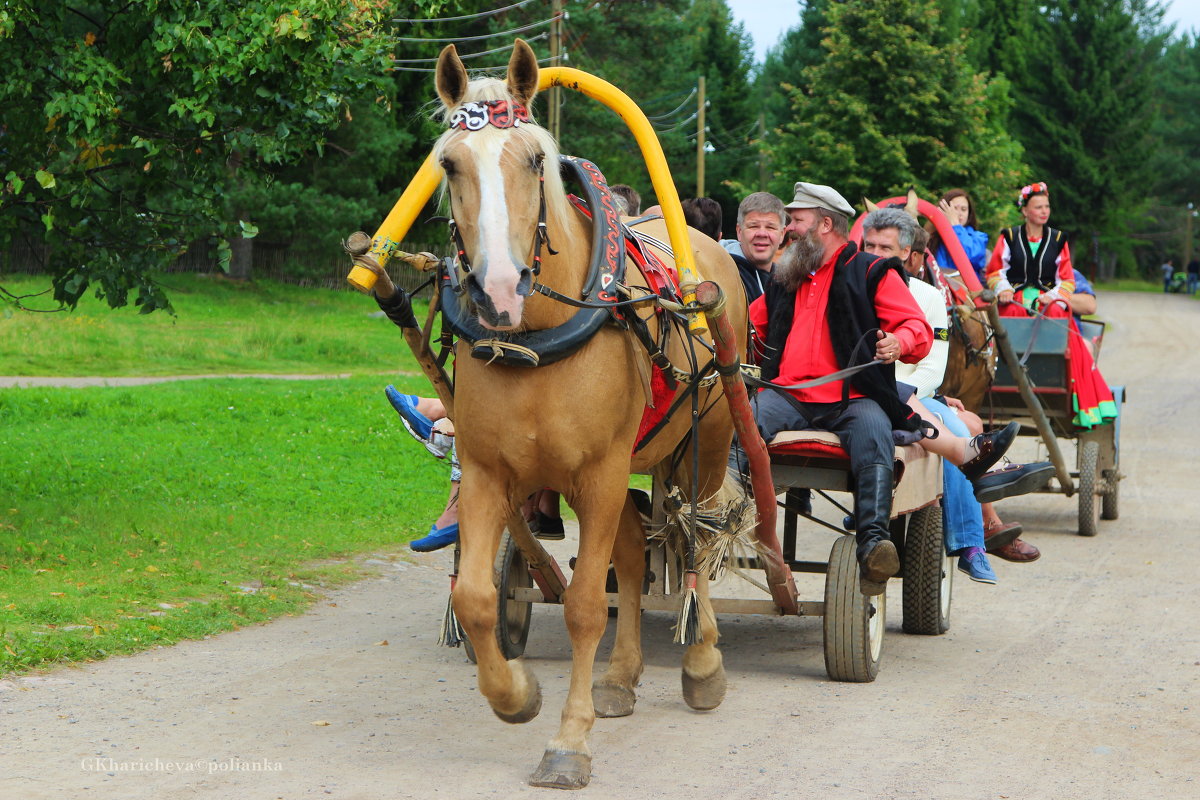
x,y
142,516
220,327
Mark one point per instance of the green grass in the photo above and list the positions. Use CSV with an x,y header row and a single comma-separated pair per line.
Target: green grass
x,y
220,327
140,516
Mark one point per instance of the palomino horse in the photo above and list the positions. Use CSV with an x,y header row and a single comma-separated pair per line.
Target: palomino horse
x,y
570,424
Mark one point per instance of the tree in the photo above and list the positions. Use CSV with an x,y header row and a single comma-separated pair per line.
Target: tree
x,y
1177,122
999,33
783,68
887,109
1085,111
125,126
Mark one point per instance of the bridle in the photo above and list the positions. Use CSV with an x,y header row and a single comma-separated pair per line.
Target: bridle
x,y
541,235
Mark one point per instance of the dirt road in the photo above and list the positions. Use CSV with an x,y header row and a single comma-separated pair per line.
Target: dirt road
x,y
1075,677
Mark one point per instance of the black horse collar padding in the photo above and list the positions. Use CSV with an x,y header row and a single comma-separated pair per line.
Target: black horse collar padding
x,y
605,269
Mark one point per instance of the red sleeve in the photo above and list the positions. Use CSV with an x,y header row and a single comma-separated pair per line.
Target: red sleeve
x,y
758,316
995,265
1066,272
900,314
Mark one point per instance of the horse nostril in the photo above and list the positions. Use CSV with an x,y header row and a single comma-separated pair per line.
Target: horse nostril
x,y
474,290
525,282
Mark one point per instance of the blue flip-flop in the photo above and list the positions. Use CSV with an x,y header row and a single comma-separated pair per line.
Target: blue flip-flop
x,y
436,539
419,425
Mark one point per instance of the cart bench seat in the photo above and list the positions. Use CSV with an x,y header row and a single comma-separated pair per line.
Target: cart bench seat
x,y
817,460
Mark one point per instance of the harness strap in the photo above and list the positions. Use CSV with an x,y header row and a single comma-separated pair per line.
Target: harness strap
x,y
692,389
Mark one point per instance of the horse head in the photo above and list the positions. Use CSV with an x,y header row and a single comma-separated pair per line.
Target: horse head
x,y
500,187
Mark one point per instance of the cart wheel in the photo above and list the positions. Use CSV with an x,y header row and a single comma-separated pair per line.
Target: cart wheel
x,y
853,621
928,574
1108,504
512,624
1089,453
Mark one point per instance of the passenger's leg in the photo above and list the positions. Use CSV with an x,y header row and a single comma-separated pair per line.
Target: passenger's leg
x,y
963,522
866,434
772,414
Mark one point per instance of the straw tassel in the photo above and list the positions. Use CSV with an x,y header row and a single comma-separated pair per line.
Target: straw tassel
x,y
451,634
687,627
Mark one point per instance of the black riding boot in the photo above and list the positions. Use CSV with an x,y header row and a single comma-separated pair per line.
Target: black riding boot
x,y
872,511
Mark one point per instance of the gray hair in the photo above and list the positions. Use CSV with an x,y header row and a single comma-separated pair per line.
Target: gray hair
x,y
762,203
897,218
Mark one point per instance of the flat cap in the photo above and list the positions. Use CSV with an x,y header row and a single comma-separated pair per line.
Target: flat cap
x,y
814,195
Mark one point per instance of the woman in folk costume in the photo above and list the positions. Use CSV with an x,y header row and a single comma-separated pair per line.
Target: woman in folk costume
x,y
1030,270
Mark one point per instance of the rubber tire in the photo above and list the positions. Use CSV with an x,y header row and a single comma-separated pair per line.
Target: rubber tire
x,y
928,574
1089,456
1109,508
512,622
854,623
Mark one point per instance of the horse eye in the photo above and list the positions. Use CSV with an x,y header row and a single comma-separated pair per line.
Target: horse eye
x,y
536,161
448,166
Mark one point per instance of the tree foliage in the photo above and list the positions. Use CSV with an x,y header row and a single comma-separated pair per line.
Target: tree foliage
x,y
123,122
887,109
1177,122
1085,111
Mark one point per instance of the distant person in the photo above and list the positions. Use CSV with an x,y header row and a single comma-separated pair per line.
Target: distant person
x,y
1168,272
1193,275
1083,299
1031,273
704,214
629,202
960,213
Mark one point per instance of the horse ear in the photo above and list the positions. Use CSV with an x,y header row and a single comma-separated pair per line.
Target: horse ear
x,y
870,206
451,80
522,73
910,205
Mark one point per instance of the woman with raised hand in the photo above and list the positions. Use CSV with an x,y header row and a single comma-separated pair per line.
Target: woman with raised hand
x,y
960,212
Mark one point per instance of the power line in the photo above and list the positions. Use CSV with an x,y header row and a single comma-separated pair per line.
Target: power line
x,y
539,37
464,16
521,29
676,110
479,69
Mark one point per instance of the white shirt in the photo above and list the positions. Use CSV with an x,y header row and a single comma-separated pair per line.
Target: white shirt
x,y
928,373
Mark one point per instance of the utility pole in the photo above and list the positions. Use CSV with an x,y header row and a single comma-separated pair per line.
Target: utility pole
x,y
555,93
700,142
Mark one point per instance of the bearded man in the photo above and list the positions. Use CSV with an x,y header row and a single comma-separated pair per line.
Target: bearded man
x,y
827,307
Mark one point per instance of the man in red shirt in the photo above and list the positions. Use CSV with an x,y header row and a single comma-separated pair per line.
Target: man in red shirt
x,y
827,307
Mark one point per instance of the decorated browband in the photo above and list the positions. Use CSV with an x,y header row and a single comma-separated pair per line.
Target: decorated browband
x,y
497,113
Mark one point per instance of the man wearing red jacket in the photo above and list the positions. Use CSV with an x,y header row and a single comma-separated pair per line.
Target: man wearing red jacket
x,y
827,307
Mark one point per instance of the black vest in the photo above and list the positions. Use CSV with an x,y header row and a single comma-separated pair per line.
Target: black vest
x,y
850,315
1026,269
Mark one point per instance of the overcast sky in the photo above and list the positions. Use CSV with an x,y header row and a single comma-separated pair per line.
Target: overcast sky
x,y
766,20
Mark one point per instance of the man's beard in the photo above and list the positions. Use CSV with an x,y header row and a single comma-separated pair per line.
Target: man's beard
x,y
800,259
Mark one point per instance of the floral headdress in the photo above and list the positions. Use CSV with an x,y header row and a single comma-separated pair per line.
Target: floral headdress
x,y
1029,191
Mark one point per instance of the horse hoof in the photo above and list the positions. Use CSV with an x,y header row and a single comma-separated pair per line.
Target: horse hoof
x,y
533,700
562,770
612,700
704,694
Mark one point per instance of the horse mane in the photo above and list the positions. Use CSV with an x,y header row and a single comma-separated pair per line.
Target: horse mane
x,y
532,136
